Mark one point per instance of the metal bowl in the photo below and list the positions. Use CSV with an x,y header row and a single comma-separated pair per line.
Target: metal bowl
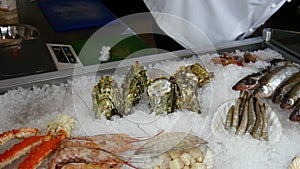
x,y
16,34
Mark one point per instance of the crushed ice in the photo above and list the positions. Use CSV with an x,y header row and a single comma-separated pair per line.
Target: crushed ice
x,y
36,106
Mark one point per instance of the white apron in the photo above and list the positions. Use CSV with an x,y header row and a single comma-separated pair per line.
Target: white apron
x,y
196,23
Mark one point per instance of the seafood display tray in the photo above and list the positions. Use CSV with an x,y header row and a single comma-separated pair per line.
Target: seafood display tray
x,y
57,77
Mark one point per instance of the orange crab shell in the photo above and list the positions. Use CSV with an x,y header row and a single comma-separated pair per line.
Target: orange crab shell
x,y
37,155
19,149
17,133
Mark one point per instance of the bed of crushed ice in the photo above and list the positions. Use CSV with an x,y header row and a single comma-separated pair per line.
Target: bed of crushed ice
x,y
36,106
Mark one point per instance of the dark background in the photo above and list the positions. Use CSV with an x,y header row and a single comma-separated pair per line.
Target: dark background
x,y
287,17
34,57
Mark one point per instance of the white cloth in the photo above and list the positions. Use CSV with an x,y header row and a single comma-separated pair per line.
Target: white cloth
x,y
191,22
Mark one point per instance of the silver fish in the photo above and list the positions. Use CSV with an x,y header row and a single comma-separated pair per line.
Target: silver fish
x,y
272,80
291,98
235,116
243,104
295,115
256,133
229,117
244,119
251,81
286,87
251,114
264,128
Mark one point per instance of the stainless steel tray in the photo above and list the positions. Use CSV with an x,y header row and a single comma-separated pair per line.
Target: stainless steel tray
x,y
57,77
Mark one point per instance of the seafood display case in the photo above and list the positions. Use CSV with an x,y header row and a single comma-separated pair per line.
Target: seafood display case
x,y
193,108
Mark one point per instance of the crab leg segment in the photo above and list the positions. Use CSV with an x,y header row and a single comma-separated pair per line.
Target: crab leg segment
x,y
19,149
37,155
19,133
6,136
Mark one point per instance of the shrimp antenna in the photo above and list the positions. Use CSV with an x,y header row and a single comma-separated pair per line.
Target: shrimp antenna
x,y
65,95
148,138
144,131
82,100
126,162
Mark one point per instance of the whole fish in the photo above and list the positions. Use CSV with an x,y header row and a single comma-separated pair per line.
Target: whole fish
x,y
264,128
236,112
273,79
243,103
251,114
251,81
291,98
286,87
257,129
244,119
229,117
295,115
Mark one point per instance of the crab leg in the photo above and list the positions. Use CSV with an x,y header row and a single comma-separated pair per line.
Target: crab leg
x,y
19,149
19,133
37,155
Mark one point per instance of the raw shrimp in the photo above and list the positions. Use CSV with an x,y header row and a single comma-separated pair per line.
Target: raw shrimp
x,y
83,155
